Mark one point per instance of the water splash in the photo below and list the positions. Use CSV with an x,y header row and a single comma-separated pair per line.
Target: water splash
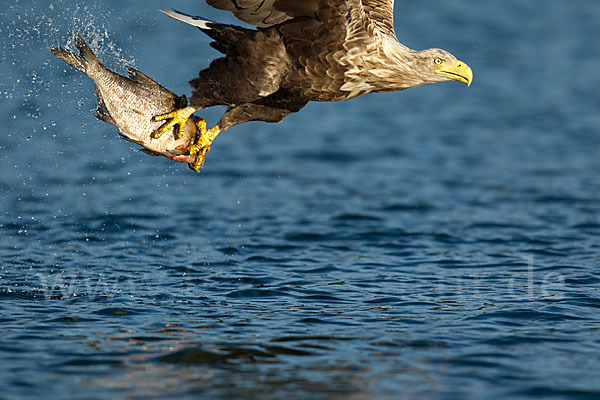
x,y
34,85
28,30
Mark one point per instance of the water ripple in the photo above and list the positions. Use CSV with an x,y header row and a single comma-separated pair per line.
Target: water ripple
x,y
400,245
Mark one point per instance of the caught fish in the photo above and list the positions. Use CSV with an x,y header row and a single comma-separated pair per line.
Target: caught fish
x,y
130,103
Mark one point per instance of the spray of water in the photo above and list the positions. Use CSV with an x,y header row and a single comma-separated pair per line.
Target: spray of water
x,y
28,71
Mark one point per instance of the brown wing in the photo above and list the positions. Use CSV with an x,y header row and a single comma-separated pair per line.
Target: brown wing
x,y
381,13
264,13
325,38
320,47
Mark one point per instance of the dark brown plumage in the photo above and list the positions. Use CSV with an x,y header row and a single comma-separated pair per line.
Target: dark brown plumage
x,y
302,50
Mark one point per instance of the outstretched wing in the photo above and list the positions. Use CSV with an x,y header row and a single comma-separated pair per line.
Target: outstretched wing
x,y
264,13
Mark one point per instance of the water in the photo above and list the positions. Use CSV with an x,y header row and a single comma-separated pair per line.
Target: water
x,y
437,243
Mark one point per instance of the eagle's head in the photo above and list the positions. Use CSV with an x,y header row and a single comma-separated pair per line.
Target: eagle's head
x,y
437,65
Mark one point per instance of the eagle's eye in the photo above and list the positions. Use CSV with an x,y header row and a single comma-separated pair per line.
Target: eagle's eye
x,y
438,61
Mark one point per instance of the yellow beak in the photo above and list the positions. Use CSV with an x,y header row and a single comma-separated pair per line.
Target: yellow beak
x,y
460,71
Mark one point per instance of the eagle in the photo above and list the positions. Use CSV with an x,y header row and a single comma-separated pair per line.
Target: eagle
x,y
300,51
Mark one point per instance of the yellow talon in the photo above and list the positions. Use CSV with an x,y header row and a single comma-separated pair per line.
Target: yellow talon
x,y
204,139
202,145
177,118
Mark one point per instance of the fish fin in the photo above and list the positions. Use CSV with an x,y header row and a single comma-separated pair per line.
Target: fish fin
x,y
150,152
179,152
140,77
69,57
125,137
102,112
80,61
85,51
138,142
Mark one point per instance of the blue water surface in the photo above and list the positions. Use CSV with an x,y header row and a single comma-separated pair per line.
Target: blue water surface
x,y
438,243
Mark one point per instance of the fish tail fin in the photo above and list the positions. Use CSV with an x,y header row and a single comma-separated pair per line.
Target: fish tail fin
x,y
81,61
85,51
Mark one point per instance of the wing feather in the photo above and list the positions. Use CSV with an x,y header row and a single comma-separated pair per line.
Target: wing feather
x,y
261,13
265,13
381,13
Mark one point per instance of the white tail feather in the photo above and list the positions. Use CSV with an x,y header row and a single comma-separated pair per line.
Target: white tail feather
x,y
188,19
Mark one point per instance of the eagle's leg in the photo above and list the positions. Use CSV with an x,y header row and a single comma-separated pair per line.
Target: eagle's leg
x,y
176,118
203,142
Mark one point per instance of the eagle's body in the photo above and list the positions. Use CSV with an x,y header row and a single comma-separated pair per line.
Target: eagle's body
x,y
303,50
